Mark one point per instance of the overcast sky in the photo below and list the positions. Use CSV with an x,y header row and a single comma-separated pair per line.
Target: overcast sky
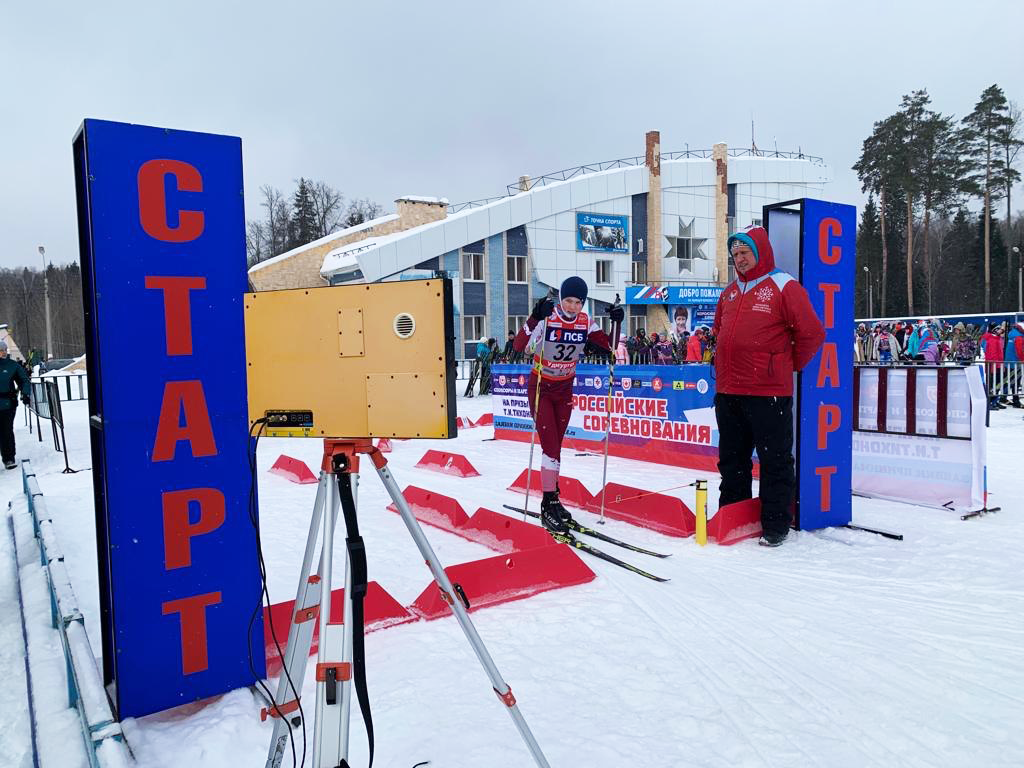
x,y
457,99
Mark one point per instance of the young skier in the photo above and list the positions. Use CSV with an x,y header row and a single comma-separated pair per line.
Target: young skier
x,y
558,334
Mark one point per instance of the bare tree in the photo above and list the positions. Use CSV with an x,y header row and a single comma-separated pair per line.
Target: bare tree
x,y
360,211
256,242
277,219
328,206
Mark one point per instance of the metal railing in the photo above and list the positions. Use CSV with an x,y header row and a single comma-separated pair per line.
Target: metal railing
x,y
71,386
1004,380
104,740
525,185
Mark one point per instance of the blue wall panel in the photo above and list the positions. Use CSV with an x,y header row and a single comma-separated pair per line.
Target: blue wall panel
x,y
496,286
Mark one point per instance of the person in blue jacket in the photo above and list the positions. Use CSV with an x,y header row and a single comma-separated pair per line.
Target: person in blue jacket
x,y
1015,354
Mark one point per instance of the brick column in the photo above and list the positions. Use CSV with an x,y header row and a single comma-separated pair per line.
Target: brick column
x,y
720,154
657,316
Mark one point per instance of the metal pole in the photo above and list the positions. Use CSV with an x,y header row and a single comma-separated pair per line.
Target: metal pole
x,y
46,294
500,687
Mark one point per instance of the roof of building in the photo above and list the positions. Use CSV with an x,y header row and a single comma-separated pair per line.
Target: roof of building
x,y
326,239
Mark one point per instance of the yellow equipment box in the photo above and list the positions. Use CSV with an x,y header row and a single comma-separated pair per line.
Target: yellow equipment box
x,y
351,361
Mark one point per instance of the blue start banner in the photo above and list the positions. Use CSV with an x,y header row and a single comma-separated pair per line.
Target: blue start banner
x,y
825,421
602,232
162,240
673,294
659,413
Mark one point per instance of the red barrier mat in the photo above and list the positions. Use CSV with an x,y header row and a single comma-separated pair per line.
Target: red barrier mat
x,y
381,611
572,492
486,420
464,423
736,522
503,578
384,445
664,514
447,463
293,469
434,509
503,533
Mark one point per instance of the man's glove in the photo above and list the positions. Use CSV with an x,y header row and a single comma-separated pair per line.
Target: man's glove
x,y
616,313
543,309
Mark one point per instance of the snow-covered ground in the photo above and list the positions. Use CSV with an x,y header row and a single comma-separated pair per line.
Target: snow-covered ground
x,y
839,649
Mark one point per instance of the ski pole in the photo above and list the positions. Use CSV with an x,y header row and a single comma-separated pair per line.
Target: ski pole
x,y
538,357
616,328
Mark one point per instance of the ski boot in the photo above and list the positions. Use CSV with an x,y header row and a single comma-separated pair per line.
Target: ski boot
x,y
553,515
772,539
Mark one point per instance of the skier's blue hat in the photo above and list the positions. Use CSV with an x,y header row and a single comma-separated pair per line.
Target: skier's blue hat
x,y
575,287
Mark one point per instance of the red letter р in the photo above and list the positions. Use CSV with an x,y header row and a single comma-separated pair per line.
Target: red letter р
x,y
187,396
194,657
153,200
177,310
179,530
827,228
829,419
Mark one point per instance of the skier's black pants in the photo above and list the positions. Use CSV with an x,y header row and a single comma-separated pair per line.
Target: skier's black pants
x,y
7,434
746,422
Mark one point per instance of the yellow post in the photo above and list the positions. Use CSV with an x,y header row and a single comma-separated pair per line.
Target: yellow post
x,y
702,512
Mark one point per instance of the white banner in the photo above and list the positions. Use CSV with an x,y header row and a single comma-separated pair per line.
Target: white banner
x,y
934,471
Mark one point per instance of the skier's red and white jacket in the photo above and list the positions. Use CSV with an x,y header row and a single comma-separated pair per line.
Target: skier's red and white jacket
x,y
556,355
765,328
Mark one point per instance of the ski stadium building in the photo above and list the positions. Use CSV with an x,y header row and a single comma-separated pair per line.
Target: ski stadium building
x,y
659,219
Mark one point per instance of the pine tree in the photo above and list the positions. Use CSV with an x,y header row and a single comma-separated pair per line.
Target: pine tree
x,y
876,170
962,275
940,179
869,257
303,219
988,170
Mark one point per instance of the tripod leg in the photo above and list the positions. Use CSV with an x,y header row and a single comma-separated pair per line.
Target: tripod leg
x,y
300,636
333,726
323,651
497,683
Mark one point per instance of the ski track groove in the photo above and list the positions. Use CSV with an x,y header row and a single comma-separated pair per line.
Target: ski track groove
x,y
940,649
704,668
840,692
821,707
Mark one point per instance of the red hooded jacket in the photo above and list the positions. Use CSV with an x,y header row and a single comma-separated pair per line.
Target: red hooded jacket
x,y
993,345
765,326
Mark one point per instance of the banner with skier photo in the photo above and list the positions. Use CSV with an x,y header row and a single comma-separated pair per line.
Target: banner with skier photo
x,y
662,414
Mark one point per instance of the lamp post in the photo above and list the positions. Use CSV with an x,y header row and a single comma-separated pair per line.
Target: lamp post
x,y
1020,279
46,297
871,303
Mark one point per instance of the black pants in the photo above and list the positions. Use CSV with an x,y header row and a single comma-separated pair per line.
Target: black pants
x,y
746,422
7,434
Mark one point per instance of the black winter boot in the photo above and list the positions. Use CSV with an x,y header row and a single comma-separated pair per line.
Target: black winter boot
x,y
553,515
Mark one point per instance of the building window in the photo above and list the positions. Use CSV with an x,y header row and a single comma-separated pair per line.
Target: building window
x,y
755,222
473,266
515,267
640,272
636,322
515,322
473,327
605,322
684,252
604,272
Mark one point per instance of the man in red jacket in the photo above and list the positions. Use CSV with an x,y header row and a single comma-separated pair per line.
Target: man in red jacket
x,y
766,330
